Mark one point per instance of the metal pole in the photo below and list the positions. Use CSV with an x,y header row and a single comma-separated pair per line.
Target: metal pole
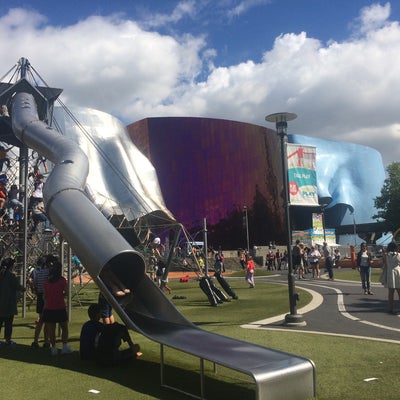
x,y
247,228
281,125
23,227
205,246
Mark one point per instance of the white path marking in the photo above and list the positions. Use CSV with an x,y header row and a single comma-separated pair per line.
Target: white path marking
x,y
315,303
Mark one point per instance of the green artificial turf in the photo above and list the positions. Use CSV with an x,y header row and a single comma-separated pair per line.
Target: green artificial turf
x,y
342,364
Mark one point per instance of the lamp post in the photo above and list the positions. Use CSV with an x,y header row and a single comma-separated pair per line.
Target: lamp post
x,y
246,222
354,227
205,246
281,120
323,206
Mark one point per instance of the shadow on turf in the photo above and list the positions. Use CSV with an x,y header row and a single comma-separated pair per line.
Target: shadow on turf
x,y
139,375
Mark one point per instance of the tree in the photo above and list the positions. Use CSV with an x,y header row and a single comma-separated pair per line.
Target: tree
x,y
388,202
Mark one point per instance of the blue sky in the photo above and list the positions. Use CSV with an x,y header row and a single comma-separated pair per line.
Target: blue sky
x,y
332,62
238,29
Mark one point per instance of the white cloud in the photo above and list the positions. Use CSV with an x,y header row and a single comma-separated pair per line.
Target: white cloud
x,y
181,10
244,5
373,17
343,90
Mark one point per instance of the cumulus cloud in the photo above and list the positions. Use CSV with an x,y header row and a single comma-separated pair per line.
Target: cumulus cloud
x,y
372,18
340,90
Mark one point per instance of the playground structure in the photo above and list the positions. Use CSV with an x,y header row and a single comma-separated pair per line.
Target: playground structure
x,y
102,249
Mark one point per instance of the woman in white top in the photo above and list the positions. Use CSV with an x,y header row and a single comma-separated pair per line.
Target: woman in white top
x,y
391,266
313,258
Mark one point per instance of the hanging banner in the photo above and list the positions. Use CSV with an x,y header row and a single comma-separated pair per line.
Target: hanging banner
x,y
318,223
302,175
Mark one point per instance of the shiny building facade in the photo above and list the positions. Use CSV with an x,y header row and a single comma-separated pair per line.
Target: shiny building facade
x,y
212,168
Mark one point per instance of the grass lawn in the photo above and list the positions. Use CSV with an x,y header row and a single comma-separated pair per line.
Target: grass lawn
x,y
342,364
353,275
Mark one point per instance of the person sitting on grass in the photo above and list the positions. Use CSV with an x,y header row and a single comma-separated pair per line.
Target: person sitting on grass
x,y
101,343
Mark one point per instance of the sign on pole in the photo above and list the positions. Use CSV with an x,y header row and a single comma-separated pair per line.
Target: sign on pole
x,y
302,175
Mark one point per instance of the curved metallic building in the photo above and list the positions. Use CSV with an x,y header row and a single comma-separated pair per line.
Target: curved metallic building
x,y
212,168
349,177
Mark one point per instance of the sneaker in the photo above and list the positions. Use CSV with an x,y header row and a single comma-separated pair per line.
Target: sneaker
x,y
369,292
10,343
365,292
46,345
66,349
54,351
35,345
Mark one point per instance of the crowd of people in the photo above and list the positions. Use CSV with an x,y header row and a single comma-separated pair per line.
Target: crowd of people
x,y
306,259
100,341
12,210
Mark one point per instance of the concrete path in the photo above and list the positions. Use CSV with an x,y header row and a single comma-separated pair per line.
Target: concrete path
x,y
340,308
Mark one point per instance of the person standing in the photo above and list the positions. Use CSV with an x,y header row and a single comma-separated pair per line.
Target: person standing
x,y
162,280
296,257
391,267
9,287
55,309
326,252
250,272
313,257
40,275
77,268
242,258
278,259
219,262
364,268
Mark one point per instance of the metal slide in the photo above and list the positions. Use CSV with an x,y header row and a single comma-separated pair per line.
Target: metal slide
x,y
147,310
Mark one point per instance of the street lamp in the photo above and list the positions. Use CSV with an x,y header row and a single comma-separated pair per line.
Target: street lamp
x,y
281,120
246,221
354,227
323,207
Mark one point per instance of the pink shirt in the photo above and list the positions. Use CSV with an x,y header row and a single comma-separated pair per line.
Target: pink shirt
x,y
54,294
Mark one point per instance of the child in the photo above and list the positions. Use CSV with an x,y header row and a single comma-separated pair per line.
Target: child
x,y
250,272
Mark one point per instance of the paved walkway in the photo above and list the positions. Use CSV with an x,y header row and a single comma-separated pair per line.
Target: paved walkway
x,y
340,308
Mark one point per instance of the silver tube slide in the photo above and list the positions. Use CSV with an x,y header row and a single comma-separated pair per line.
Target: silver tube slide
x,y
87,231
98,244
